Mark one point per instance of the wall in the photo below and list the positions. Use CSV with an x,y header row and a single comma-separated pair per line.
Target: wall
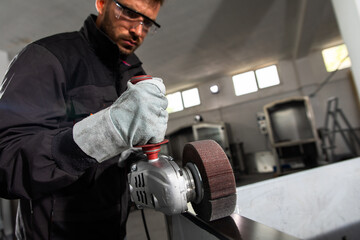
x,y
4,62
298,78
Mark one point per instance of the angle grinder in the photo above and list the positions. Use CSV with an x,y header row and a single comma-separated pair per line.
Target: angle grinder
x,y
205,179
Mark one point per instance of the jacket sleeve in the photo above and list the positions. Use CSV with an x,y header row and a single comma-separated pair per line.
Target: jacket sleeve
x,y
37,154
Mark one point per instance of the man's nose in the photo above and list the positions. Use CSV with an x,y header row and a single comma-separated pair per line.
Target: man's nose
x,y
137,28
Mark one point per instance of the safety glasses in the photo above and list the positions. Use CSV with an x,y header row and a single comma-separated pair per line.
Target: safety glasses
x,y
148,25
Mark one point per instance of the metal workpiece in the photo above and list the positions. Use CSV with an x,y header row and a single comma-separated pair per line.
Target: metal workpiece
x,y
234,227
162,185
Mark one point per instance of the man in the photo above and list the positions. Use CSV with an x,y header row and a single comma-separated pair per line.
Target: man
x,y
67,112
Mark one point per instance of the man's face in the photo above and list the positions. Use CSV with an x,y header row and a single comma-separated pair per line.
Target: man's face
x,y
127,37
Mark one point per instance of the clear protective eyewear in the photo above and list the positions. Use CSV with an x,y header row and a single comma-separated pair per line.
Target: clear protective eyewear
x,y
148,25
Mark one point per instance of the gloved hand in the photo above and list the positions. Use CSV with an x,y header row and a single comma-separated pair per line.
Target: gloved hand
x,y
131,155
137,117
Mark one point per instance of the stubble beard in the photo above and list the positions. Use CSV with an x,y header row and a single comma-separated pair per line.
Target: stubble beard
x,y
108,28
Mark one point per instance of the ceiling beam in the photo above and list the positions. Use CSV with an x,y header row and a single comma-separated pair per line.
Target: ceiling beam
x,y
299,27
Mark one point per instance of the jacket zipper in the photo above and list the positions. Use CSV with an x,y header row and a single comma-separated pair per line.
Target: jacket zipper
x,y
32,217
51,216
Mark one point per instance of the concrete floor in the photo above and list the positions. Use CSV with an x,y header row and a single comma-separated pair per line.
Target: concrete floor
x,y
246,179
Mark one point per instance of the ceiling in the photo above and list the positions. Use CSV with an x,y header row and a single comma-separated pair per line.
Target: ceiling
x,y
199,40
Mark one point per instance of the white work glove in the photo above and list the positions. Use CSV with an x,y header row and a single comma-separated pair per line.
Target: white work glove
x,y
137,117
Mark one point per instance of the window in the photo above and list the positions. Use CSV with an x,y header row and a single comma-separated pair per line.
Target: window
x,y
245,83
191,97
174,102
249,82
185,99
336,58
267,77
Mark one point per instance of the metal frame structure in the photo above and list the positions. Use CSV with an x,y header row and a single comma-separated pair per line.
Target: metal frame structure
x,y
334,117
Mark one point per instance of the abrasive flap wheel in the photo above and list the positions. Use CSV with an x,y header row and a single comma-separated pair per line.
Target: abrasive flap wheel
x,y
219,188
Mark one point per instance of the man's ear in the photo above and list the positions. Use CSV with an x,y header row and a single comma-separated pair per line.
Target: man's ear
x,y
99,4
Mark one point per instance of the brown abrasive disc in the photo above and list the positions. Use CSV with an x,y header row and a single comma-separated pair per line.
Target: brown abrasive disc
x,y
217,176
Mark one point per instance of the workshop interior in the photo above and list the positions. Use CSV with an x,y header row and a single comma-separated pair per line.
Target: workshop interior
x,y
263,135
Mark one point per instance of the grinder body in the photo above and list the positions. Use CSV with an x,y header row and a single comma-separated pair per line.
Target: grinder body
x,y
162,185
205,179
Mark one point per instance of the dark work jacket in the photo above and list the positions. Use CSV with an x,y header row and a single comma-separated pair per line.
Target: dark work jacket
x,y
49,86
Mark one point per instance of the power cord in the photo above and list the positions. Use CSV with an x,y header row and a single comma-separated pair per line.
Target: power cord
x,y
145,225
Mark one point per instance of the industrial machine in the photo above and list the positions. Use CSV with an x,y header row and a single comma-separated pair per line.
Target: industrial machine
x,y
292,132
205,179
217,131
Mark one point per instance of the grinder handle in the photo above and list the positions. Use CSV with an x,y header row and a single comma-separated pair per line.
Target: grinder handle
x,y
136,79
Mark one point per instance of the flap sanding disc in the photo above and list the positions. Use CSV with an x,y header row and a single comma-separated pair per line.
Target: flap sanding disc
x,y
217,176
